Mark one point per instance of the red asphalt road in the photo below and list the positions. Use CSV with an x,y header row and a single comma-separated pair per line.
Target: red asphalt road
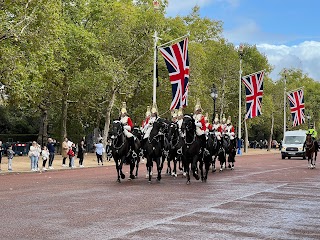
x,y
263,198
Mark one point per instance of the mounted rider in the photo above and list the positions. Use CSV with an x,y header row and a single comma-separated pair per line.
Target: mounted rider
x,y
146,120
200,126
230,129
223,125
209,127
127,126
180,120
148,127
216,126
174,116
312,132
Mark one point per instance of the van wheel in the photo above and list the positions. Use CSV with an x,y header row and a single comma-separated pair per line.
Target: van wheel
x,y
289,157
304,157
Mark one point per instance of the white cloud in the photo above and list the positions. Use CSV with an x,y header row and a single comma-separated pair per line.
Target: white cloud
x,y
304,56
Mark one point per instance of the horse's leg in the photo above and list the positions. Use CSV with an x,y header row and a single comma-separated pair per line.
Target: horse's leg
x,y
137,166
187,171
195,167
169,165
174,173
214,163
201,165
118,170
122,175
159,168
132,165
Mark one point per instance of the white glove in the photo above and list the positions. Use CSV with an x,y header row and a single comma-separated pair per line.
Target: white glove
x,y
127,127
198,124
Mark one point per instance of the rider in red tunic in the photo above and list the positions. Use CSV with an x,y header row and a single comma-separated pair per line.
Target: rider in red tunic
x,y
127,126
200,125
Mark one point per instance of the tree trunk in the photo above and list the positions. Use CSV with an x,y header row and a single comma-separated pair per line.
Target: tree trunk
x,y
246,138
271,132
43,133
107,122
222,100
64,110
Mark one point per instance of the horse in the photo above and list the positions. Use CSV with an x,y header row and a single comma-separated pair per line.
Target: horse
x,y
153,148
223,151
138,134
211,146
191,147
232,153
120,150
175,149
309,145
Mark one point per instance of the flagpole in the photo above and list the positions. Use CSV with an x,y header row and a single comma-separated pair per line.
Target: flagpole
x,y
240,50
162,45
155,67
284,103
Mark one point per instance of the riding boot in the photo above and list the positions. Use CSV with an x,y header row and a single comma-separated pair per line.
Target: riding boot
x,y
131,143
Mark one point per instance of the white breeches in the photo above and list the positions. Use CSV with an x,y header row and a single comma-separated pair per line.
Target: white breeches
x,y
199,132
218,135
127,133
147,134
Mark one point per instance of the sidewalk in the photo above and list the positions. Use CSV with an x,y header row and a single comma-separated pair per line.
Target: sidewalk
x,y
22,163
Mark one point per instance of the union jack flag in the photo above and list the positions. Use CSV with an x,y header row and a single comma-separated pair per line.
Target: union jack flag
x,y
254,93
177,61
296,100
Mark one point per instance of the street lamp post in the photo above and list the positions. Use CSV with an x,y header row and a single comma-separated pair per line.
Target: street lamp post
x,y
214,95
240,51
308,117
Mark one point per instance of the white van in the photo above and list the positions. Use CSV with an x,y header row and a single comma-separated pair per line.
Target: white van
x,y
292,144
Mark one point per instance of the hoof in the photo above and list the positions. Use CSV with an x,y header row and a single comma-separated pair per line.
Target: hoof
x,y
131,177
229,166
220,170
188,182
118,181
123,176
158,180
149,182
214,170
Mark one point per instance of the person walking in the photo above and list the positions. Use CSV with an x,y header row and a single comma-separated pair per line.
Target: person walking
x,y
51,148
64,152
99,151
81,151
71,153
45,156
10,154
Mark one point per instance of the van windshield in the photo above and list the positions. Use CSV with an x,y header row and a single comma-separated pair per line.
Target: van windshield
x,y
294,139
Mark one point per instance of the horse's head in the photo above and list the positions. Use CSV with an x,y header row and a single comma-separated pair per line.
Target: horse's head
x,y
173,130
137,132
116,128
188,124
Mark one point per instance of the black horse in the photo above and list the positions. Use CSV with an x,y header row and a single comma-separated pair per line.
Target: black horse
x,y
175,149
136,158
154,148
191,147
232,153
310,147
121,150
223,151
207,160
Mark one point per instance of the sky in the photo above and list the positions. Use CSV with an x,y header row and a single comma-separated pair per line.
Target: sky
x,y
286,31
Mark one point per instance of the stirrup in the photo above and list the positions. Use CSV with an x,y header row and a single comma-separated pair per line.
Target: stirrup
x,y
179,151
134,155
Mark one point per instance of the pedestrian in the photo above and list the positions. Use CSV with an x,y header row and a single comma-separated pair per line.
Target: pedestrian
x,y
81,152
1,152
10,154
99,151
51,148
34,154
108,150
45,156
71,153
64,152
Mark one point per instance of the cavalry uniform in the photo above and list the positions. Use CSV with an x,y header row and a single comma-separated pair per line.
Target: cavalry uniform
x,y
127,127
200,125
148,127
229,129
180,120
174,116
223,126
208,125
215,127
126,121
146,120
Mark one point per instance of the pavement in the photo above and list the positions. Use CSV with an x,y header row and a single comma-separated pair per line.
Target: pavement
x,y
22,164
